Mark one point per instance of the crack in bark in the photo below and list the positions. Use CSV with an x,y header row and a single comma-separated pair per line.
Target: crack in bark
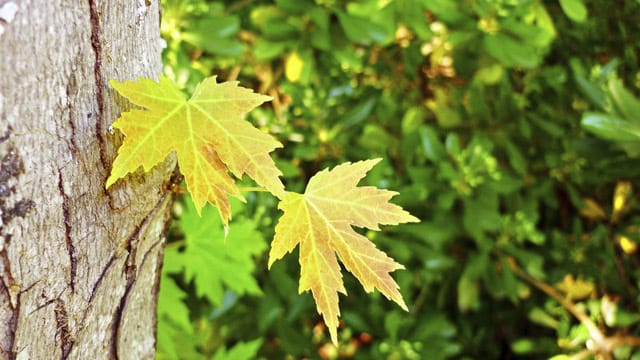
x,y
62,328
130,271
13,324
94,291
10,327
96,45
71,250
41,306
102,276
7,280
94,17
117,317
151,248
156,285
71,86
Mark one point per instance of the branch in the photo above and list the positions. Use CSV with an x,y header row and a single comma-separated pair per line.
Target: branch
x,y
599,343
594,332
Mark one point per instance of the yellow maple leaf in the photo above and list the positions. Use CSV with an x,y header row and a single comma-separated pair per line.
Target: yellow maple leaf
x,y
321,221
207,132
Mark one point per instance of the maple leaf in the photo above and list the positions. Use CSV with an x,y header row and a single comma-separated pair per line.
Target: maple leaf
x,y
207,132
321,221
212,260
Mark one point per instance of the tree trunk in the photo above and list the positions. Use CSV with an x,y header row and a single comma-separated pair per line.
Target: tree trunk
x,y
79,265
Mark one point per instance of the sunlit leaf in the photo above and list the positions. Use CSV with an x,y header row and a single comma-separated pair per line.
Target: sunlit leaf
x,y
592,210
574,9
575,289
621,196
293,67
611,127
627,245
321,220
207,133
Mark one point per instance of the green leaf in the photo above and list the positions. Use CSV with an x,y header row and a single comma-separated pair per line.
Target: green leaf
x,y
468,292
174,343
175,334
574,9
543,18
320,36
593,93
220,26
528,34
361,30
549,126
448,11
515,158
213,44
481,213
265,50
610,127
627,105
489,74
216,264
171,306
431,145
412,120
280,30
294,6
444,109
510,52
542,317
241,351
412,13
215,35
359,112
393,322
376,138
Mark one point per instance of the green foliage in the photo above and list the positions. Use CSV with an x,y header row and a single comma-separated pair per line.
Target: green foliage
x,y
240,351
510,128
218,268
228,260
620,121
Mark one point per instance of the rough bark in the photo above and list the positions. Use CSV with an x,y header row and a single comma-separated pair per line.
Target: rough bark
x,y
79,264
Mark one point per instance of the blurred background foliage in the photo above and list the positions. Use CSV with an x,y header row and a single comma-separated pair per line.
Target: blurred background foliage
x,y
511,128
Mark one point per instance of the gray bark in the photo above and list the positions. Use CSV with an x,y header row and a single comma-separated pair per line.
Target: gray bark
x,y
79,265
